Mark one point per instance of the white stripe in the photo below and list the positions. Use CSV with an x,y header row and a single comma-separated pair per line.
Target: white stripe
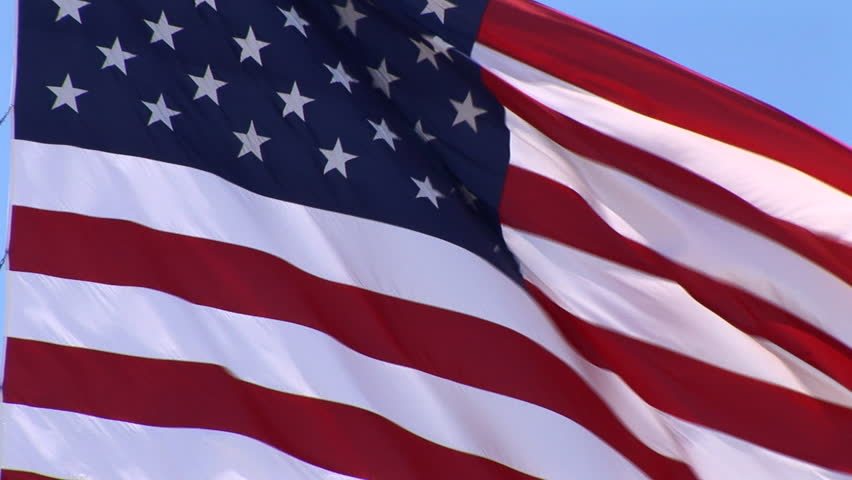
x,y
187,201
717,456
657,311
295,359
74,446
340,248
141,321
812,378
774,187
689,235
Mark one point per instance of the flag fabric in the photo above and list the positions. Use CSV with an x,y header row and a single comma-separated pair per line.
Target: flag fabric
x,y
411,239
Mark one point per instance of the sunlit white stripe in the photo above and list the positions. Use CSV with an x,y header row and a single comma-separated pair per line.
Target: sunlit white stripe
x,y
187,201
340,248
192,202
689,235
102,314
295,359
717,456
813,379
659,312
774,187
74,446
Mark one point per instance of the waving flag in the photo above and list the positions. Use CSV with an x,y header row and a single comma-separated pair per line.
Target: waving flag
x,y
411,239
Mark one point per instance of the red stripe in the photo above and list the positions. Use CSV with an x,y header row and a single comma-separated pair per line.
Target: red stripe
x,y
243,280
532,203
774,417
649,84
166,393
19,475
834,256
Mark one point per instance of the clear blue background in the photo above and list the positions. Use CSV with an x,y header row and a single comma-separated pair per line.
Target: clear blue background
x,y
793,54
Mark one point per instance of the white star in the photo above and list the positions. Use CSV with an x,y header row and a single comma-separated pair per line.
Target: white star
x,y
438,7
69,8
115,57
469,197
207,86
251,142
160,112
294,20
66,94
162,31
382,78
384,133
294,102
418,129
212,3
336,159
250,47
467,112
339,75
349,16
425,53
426,190
441,46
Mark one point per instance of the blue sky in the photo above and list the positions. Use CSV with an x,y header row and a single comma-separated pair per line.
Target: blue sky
x,y
792,54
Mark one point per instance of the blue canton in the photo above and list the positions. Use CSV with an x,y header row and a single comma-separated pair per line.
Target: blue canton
x,y
368,108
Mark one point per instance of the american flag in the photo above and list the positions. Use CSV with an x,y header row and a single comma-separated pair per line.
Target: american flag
x,y
411,239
